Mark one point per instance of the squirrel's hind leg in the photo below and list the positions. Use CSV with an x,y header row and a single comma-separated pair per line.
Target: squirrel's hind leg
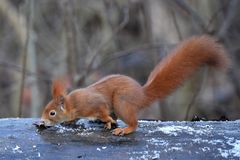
x,y
129,116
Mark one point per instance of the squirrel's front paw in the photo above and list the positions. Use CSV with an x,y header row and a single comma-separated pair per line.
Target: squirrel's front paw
x,y
108,125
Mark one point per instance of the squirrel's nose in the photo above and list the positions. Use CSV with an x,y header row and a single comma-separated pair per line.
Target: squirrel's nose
x,y
46,122
41,122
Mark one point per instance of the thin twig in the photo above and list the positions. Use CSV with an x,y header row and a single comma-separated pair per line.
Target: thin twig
x,y
22,81
190,11
233,5
127,52
215,14
176,25
89,67
11,66
15,19
196,93
101,46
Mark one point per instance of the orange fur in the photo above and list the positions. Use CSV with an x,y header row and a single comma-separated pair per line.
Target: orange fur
x,y
58,89
124,97
182,62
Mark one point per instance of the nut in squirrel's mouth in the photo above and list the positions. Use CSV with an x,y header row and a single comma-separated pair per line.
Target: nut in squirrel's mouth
x,y
41,125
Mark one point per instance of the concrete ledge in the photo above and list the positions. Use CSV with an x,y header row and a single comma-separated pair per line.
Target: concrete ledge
x,y
19,139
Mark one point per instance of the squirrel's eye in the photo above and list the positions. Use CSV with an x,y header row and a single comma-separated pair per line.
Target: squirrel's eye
x,y
52,113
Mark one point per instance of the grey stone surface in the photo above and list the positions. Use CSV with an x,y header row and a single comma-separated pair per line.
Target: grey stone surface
x,y
19,139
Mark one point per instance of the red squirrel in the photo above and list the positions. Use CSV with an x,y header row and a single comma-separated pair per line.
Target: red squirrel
x,y
125,97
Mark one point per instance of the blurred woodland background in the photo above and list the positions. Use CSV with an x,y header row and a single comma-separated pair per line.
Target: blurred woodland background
x,y
81,41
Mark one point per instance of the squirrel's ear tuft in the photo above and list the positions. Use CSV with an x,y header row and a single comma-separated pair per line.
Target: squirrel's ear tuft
x,y
58,89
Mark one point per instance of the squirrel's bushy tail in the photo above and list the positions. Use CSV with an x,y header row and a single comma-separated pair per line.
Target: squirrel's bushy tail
x,y
191,54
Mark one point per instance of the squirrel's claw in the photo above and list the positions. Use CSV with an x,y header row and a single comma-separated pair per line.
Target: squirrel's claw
x,y
118,132
108,125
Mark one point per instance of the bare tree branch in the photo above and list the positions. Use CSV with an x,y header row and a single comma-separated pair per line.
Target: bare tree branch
x,y
11,66
17,20
216,14
18,23
29,56
232,10
191,12
70,35
180,37
89,67
123,53
104,44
